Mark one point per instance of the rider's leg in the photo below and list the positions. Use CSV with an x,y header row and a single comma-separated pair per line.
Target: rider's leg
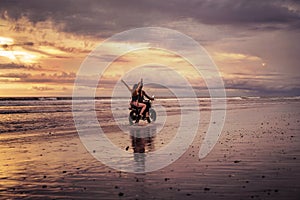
x,y
139,105
143,108
148,105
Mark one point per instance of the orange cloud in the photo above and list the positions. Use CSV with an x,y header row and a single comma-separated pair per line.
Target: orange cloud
x,y
235,57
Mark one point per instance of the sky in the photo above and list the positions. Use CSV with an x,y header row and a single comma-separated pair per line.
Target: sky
x,y
255,44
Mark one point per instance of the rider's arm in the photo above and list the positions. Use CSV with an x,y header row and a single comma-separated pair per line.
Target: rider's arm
x,y
148,96
130,90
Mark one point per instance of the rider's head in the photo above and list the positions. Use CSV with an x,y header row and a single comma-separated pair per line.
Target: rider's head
x,y
135,86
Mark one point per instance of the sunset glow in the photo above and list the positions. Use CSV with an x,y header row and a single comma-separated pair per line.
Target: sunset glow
x,y
46,47
6,41
19,56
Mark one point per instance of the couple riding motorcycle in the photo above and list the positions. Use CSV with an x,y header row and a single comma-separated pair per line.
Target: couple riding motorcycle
x,y
138,101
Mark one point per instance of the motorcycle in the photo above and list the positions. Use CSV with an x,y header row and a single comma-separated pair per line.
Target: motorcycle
x,y
134,113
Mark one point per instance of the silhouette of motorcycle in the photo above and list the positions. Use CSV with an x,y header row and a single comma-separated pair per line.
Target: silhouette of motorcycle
x,y
134,113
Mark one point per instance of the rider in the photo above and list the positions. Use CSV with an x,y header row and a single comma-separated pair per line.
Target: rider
x,y
141,99
137,88
135,97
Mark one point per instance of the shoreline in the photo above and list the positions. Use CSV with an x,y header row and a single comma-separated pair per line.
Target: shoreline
x,y
256,157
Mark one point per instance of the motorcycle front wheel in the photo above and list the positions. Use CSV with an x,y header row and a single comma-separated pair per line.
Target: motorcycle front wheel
x,y
152,115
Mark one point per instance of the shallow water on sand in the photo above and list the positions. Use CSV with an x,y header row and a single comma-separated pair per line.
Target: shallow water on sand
x,y
256,157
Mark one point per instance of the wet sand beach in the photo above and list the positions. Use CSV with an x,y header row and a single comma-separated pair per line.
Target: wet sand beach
x,y
256,157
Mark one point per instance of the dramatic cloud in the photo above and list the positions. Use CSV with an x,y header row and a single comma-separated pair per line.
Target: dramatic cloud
x,y
102,17
256,87
254,43
20,66
14,75
56,78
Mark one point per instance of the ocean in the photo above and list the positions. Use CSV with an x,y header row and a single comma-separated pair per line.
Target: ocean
x,y
55,113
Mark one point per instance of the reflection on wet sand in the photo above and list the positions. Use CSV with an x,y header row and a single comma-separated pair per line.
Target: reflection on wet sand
x,y
142,138
142,141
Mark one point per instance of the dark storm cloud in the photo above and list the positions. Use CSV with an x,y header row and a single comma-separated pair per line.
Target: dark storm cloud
x,y
82,17
244,11
105,17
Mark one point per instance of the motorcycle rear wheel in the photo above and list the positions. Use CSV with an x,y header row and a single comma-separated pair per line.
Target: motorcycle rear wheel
x,y
132,117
